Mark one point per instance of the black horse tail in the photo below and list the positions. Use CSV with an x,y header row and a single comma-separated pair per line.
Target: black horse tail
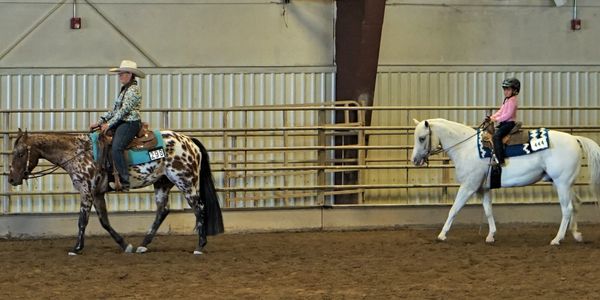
x,y
213,219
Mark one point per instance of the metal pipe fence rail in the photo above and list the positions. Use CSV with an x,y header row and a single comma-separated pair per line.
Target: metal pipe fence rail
x,y
288,158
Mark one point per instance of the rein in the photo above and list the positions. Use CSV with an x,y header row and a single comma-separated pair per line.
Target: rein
x,y
440,149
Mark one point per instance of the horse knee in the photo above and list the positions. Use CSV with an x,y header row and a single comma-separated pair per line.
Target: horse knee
x,y
567,211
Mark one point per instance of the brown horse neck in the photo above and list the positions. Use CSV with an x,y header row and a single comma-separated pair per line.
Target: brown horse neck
x,y
57,148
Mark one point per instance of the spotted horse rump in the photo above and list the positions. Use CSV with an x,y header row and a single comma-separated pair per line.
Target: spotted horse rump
x,y
185,165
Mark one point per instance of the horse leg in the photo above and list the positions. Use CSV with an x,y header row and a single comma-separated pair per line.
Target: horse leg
x,y
464,193
487,207
84,216
161,197
198,207
573,224
100,205
193,199
566,205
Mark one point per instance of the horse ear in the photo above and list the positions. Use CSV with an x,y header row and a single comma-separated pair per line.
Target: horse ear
x,y
416,121
426,124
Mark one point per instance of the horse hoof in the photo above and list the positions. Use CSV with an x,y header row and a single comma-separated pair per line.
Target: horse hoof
x,y
129,249
490,240
441,238
71,253
554,243
196,252
578,237
141,249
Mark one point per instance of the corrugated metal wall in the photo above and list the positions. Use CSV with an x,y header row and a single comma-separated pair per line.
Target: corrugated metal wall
x,y
55,92
430,86
395,87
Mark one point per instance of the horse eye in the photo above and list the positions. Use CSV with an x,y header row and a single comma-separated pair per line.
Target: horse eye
x,y
21,155
421,139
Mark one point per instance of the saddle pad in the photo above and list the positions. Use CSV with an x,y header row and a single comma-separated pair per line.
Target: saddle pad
x,y
135,157
538,140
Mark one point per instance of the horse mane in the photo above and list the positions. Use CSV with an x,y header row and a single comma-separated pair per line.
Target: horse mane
x,y
450,123
39,140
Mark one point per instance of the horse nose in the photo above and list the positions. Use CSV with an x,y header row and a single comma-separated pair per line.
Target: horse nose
x,y
11,181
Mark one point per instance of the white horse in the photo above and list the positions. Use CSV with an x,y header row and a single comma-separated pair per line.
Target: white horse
x,y
559,164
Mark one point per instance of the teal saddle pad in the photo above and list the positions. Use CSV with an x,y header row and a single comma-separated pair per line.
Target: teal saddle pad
x,y
135,157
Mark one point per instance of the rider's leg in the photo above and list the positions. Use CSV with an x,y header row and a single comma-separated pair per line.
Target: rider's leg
x,y
124,134
501,131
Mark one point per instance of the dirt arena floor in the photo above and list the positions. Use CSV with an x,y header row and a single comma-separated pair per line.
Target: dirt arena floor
x,y
401,263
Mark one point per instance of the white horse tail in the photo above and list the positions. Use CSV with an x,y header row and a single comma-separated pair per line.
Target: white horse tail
x,y
592,151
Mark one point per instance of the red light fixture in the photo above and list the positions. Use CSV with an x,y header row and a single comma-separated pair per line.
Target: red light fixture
x,y
75,21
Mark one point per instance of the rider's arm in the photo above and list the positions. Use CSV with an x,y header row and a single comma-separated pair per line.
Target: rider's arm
x,y
508,110
131,101
106,116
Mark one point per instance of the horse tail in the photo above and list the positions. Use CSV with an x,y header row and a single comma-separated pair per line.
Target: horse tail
x,y
213,219
592,151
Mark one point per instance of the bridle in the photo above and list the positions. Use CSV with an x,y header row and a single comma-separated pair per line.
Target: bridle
x,y
431,151
28,174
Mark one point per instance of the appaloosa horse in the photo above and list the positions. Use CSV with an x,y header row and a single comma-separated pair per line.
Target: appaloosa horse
x,y
186,166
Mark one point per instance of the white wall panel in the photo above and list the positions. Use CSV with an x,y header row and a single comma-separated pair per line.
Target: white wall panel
x,y
194,33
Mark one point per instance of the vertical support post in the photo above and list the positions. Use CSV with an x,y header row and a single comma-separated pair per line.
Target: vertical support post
x,y
165,118
285,156
358,30
362,153
245,145
5,165
445,179
321,156
226,145
571,120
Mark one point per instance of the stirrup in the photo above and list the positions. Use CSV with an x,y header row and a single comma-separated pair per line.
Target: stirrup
x,y
494,161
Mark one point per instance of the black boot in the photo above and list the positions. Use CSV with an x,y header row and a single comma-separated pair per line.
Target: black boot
x,y
124,185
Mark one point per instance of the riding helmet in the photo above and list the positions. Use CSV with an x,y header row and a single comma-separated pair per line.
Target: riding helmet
x,y
513,83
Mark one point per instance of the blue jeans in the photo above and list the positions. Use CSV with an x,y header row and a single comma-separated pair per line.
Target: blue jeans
x,y
124,134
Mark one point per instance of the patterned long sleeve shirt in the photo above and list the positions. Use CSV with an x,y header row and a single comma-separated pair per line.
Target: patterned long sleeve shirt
x,y
126,108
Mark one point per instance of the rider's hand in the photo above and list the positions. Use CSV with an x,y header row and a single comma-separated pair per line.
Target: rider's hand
x,y
104,128
94,126
488,118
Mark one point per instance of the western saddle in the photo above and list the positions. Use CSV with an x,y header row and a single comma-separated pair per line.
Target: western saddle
x,y
514,137
144,139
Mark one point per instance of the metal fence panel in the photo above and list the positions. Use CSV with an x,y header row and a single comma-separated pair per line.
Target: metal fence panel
x,y
453,86
60,91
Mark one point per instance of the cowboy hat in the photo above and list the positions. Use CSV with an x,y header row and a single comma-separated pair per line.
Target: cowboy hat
x,y
129,66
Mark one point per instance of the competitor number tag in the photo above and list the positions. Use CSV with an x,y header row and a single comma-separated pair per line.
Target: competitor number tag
x,y
157,154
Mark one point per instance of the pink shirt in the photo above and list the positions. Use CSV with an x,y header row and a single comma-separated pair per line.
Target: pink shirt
x,y
508,110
